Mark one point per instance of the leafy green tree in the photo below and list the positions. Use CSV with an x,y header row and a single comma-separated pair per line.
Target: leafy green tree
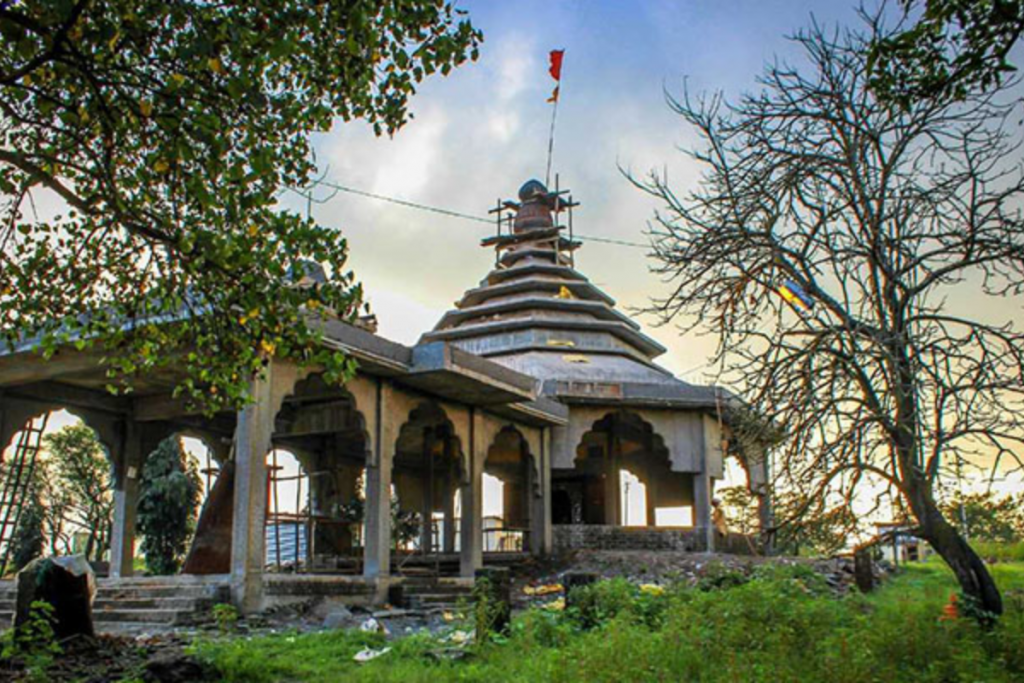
x,y
168,505
29,539
167,129
83,484
951,47
988,518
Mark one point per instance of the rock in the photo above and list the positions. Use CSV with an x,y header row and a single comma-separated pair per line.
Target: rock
x,y
863,571
175,668
67,584
340,617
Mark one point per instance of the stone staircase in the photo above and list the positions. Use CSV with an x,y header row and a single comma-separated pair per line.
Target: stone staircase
x,y
140,605
435,593
154,604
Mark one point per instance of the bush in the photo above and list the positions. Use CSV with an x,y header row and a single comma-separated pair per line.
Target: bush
x,y
779,625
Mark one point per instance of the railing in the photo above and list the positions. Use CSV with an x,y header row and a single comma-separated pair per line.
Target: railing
x,y
291,540
506,540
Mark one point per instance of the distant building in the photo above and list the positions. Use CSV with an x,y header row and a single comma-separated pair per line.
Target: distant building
x,y
897,543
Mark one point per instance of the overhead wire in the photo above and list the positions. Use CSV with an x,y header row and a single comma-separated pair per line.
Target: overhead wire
x,y
307,194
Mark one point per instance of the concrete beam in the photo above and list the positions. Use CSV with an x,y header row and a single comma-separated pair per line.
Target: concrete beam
x,y
71,396
28,367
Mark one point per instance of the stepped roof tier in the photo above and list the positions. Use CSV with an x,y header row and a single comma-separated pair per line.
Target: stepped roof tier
x,y
536,314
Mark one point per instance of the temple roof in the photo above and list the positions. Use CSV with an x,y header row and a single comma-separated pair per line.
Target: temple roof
x,y
536,314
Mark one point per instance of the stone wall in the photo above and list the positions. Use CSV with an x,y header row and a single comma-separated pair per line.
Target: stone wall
x,y
603,537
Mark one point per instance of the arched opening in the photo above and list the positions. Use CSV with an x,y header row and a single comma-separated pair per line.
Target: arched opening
x,y
316,481
508,482
56,492
622,477
427,472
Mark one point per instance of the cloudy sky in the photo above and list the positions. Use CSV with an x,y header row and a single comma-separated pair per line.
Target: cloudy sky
x,y
481,132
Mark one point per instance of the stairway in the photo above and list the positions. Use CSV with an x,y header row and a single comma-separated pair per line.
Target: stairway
x,y
436,593
154,604
139,605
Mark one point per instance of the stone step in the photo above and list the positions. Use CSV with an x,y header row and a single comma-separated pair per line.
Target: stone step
x,y
436,598
167,617
143,592
181,604
131,628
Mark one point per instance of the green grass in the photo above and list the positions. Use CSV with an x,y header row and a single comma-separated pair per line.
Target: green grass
x,y
781,626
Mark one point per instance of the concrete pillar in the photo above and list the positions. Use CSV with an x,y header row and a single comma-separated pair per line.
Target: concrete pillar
x,y
471,555
448,490
427,508
540,497
126,501
702,487
612,516
248,536
377,544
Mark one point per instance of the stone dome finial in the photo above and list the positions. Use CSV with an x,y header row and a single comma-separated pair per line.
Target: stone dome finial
x,y
532,189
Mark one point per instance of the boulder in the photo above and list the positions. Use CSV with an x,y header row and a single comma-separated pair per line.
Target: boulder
x,y
66,583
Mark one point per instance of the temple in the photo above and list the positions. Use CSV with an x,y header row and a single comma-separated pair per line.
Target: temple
x,y
534,382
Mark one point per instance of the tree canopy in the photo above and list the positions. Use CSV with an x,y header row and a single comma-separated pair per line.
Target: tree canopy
x,y
82,486
951,47
861,263
166,129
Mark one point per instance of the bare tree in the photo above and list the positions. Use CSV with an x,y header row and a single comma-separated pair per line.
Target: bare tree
x,y
862,264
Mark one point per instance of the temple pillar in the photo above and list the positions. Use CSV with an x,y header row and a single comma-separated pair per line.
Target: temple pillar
x,y
471,555
377,544
448,504
427,507
703,485
612,517
126,501
248,536
540,499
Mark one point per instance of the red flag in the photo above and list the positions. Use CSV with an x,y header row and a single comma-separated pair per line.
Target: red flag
x,y
556,64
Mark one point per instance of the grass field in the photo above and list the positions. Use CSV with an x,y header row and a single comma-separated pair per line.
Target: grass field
x,y
784,625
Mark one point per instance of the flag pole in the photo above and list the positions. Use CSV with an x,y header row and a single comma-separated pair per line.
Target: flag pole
x,y
557,58
551,140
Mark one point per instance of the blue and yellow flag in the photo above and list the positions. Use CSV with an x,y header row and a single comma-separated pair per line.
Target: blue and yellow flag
x,y
795,295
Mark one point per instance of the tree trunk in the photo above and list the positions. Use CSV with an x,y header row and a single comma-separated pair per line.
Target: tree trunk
x,y
970,571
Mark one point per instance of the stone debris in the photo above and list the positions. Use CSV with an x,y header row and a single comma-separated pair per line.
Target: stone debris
x,y
652,571
340,617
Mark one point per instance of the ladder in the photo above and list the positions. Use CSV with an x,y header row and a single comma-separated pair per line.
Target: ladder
x,y
17,483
